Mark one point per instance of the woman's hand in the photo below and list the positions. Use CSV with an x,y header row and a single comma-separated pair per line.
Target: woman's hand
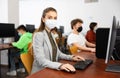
x,y
77,58
67,67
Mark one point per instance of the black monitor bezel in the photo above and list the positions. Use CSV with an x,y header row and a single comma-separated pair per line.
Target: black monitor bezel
x,y
5,30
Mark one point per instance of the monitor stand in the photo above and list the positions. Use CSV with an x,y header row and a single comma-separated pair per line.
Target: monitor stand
x,y
113,68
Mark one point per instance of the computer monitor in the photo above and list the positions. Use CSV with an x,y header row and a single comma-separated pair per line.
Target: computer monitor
x,y
30,28
7,30
61,29
101,42
110,47
17,36
102,35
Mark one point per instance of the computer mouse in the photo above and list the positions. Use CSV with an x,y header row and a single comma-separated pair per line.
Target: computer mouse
x,y
72,71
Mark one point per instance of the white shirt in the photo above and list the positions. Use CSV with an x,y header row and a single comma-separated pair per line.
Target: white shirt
x,y
76,38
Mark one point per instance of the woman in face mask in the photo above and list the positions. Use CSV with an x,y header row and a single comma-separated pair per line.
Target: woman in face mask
x,y
46,52
91,34
77,39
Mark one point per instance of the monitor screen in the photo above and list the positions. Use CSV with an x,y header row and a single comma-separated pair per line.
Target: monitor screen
x,y
7,30
30,28
110,48
61,29
111,40
102,35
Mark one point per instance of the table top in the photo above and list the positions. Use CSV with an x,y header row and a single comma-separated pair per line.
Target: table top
x,y
95,70
5,46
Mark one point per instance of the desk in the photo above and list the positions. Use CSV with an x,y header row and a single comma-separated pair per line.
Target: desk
x,y
95,70
4,47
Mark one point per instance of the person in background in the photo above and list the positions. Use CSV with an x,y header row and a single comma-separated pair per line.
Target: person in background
x,y
91,34
55,33
77,39
21,46
58,37
46,52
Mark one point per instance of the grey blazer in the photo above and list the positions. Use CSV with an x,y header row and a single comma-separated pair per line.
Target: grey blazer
x,y
43,53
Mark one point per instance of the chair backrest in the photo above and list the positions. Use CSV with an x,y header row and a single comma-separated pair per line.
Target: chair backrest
x,y
73,49
27,58
60,41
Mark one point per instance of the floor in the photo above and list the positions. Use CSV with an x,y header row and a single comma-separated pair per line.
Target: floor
x,y
4,69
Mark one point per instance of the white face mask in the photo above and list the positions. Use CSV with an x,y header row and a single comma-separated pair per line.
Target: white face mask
x,y
50,23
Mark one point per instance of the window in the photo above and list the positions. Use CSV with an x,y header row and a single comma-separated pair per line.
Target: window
x,y
90,1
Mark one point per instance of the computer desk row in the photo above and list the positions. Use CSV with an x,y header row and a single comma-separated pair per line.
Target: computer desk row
x,y
95,70
6,47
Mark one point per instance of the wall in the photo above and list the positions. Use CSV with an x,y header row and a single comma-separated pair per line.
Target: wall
x,y
3,11
101,12
9,13
13,12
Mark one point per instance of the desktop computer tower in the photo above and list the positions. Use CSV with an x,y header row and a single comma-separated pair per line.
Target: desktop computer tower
x,y
101,42
102,35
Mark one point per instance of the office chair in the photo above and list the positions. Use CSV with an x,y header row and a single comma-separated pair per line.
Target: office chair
x,y
73,49
27,59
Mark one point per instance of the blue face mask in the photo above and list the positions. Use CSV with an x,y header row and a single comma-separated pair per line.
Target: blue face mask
x,y
19,34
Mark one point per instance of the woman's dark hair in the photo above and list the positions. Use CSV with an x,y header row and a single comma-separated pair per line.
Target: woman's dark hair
x,y
22,27
92,25
42,25
75,21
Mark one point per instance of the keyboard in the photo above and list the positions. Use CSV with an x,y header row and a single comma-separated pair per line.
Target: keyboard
x,y
80,65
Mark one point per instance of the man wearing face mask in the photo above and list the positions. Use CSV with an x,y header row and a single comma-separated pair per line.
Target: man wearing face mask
x,y
77,39
22,45
91,34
